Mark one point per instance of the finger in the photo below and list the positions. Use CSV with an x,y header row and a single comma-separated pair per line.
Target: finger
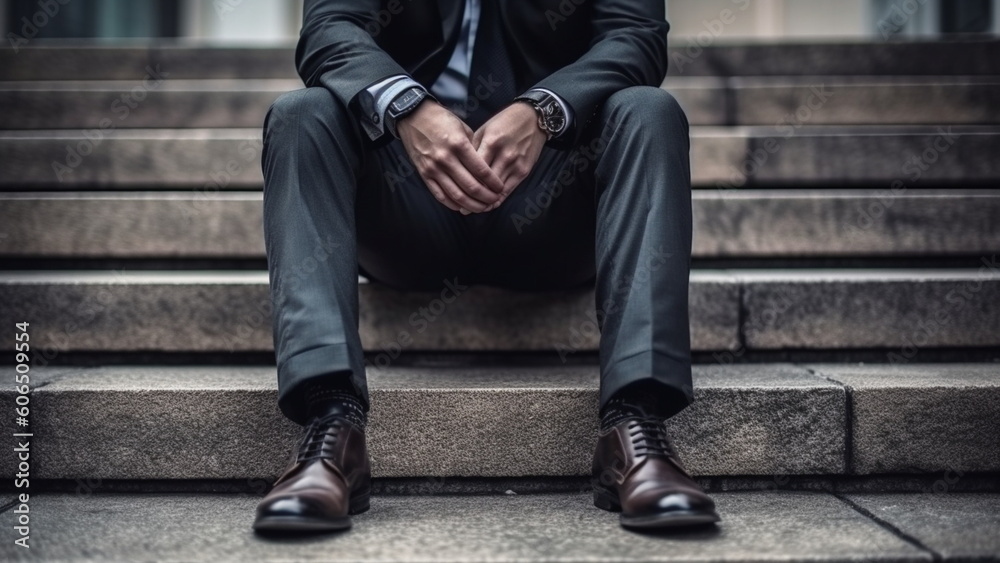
x,y
487,151
515,173
479,168
469,184
511,181
477,138
458,196
439,195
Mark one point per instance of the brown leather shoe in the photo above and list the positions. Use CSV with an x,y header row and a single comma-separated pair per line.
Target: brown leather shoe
x,y
637,472
329,480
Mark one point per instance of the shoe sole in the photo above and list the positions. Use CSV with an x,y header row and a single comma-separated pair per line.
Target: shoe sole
x,y
606,500
670,520
301,524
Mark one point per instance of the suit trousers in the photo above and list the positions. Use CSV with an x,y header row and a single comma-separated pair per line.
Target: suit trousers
x,y
614,212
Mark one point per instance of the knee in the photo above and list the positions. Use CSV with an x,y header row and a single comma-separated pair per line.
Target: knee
x,y
646,104
305,107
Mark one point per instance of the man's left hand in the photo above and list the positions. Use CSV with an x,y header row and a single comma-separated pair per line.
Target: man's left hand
x,y
510,143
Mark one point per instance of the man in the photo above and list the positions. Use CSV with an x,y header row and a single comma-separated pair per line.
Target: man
x,y
427,129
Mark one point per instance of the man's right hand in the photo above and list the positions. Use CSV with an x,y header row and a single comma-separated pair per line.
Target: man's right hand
x,y
440,146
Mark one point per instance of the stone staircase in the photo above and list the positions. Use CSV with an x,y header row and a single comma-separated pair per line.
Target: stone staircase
x,y
845,314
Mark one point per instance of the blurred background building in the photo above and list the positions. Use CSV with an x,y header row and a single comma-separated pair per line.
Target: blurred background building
x,y
269,21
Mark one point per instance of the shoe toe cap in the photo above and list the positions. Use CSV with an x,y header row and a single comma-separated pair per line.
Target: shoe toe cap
x,y
682,502
295,506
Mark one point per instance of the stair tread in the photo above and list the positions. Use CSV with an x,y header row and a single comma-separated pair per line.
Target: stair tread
x,y
923,57
731,311
723,157
706,101
446,421
750,223
221,422
763,527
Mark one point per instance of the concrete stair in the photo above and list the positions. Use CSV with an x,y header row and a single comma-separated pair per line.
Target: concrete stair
x,y
748,223
731,311
845,316
452,420
760,526
962,57
727,158
844,100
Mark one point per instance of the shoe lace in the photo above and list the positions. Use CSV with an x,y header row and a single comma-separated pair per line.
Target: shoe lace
x,y
649,437
321,436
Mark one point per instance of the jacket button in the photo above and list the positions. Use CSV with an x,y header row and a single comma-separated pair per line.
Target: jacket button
x,y
375,118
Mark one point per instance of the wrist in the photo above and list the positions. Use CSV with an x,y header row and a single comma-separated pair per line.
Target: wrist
x,y
404,105
419,112
531,117
551,115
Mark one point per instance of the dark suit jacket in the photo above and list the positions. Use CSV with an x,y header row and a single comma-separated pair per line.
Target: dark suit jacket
x,y
583,50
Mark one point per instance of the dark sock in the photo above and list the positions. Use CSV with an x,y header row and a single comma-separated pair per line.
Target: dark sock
x,y
329,398
641,399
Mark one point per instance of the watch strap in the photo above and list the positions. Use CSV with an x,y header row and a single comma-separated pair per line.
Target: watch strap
x,y
403,104
551,117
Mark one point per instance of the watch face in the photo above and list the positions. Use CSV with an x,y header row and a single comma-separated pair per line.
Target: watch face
x,y
555,124
554,119
406,99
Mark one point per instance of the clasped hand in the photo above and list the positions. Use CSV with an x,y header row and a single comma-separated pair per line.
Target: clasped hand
x,y
471,171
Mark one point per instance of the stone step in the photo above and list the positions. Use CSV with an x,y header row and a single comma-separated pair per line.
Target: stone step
x,y
825,100
223,423
210,160
727,224
977,56
452,420
837,100
231,312
732,311
763,526
168,104
910,417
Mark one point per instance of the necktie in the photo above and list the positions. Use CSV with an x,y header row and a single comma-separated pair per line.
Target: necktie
x,y
491,78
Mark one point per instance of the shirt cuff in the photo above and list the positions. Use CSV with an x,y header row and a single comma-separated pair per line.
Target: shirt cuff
x,y
567,110
377,99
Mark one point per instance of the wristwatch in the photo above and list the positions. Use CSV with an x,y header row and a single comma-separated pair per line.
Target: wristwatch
x,y
551,117
404,103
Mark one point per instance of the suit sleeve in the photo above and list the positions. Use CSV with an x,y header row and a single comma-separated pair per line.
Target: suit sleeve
x,y
337,50
628,48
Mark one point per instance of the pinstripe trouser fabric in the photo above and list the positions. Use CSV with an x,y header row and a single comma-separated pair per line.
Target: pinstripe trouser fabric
x,y
614,212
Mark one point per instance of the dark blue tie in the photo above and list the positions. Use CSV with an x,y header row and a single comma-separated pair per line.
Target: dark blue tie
x,y
491,78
